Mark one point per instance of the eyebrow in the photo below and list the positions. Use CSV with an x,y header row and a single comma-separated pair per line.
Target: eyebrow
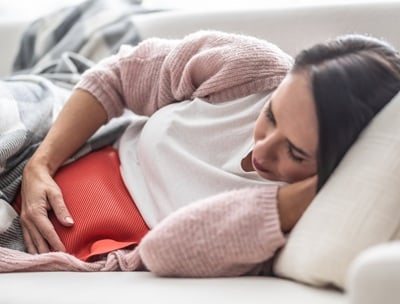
x,y
291,145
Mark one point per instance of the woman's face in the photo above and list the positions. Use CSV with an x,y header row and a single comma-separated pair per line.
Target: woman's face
x,y
286,133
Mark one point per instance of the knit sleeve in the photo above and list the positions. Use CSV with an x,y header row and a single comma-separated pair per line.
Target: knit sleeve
x,y
211,65
229,234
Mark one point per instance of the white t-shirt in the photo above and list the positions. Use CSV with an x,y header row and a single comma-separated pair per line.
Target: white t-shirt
x,y
187,151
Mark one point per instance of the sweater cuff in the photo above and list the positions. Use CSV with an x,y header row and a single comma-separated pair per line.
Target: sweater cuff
x,y
269,211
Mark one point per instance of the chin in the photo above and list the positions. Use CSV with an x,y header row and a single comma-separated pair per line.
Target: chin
x,y
271,177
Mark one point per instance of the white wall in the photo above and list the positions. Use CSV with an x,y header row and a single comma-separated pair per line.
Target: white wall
x,y
11,10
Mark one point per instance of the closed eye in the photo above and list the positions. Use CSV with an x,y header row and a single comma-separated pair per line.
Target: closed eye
x,y
293,155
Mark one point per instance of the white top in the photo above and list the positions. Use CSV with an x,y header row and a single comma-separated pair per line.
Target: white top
x,y
187,151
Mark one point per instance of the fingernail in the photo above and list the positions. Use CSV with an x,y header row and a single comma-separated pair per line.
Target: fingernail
x,y
69,220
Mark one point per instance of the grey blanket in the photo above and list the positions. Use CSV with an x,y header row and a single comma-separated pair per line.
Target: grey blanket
x,y
55,50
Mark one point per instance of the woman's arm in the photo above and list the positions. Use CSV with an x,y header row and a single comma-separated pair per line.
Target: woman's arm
x,y
211,65
229,234
80,118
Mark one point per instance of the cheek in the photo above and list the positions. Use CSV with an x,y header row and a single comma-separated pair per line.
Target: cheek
x,y
293,172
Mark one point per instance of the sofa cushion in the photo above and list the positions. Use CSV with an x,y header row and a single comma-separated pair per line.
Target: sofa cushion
x,y
144,287
358,207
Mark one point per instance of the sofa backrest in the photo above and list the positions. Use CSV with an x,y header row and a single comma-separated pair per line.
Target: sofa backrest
x,y
290,28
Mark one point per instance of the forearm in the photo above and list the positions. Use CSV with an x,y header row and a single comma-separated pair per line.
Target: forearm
x,y
79,119
228,234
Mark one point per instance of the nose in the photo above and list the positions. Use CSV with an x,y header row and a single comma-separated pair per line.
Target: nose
x,y
268,146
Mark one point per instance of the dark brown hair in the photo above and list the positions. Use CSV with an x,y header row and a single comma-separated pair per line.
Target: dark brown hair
x,y
352,78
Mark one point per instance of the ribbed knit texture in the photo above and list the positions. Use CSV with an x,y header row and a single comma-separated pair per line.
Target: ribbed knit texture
x,y
211,65
17,261
230,234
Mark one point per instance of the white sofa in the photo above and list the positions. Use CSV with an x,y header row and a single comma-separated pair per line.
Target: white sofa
x,y
373,277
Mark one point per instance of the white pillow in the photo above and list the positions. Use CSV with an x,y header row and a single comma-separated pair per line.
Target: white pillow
x,y
358,207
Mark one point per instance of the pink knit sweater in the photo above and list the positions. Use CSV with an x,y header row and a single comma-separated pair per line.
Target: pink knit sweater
x,y
214,66
230,234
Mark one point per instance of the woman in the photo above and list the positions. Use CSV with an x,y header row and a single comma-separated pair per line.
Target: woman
x,y
305,122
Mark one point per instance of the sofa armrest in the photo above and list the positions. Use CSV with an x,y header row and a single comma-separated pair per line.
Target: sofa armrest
x,y
374,276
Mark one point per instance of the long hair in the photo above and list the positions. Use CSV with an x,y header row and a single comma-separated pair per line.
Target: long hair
x,y
352,78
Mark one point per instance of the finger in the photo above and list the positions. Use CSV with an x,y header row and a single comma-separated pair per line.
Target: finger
x,y
57,203
34,242
39,232
45,233
39,242
30,247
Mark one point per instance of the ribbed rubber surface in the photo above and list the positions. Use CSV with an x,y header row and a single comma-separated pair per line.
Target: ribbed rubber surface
x,y
105,215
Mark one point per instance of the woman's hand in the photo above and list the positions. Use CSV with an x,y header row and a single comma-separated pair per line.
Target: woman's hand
x,y
78,120
40,194
293,200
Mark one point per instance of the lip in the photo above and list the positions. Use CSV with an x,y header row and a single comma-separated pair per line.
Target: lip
x,y
257,165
